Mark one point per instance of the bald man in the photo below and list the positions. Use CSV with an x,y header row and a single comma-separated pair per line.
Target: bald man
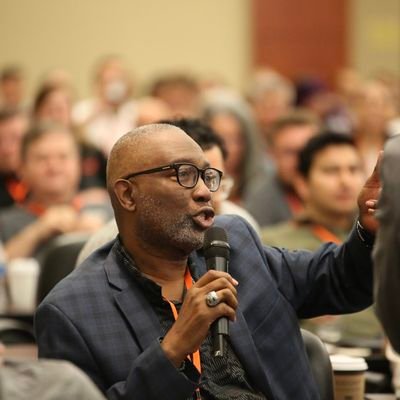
x,y
135,315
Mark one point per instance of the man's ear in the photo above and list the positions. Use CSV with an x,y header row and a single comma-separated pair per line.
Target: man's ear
x,y
301,186
125,193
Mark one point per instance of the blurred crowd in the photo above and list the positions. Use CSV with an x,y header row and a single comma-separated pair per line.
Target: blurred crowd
x,y
54,146
294,154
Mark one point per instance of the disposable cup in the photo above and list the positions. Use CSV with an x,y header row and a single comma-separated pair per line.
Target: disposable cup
x,y
22,276
349,374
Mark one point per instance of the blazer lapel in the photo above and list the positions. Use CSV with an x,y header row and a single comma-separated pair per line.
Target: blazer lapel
x,y
139,315
245,349
132,303
240,338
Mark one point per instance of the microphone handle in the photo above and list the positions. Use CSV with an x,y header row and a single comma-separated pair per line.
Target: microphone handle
x,y
220,327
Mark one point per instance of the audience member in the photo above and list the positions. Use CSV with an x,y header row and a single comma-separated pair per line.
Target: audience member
x,y
313,95
215,152
271,96
53,103
111,112
329,181
151,110
273,198
50,169
113,317
180,92
12,88
44,380
231,119
387,249
373,112
13,125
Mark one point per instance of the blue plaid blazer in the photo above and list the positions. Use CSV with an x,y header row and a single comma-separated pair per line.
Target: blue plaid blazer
x,y
98,319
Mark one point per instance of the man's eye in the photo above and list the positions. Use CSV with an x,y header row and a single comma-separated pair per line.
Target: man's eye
x,y
184,174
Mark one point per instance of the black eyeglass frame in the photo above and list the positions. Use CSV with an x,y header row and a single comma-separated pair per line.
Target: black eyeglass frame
x,y
200,172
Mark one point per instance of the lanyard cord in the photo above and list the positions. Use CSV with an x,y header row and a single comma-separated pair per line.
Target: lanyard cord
x,y
17,190
294,203
194,357
324,234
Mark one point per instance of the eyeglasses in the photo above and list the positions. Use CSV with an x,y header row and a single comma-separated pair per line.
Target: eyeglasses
x,y
187,175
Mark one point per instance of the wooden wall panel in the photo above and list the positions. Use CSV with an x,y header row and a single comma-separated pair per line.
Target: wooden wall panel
x,y
303,37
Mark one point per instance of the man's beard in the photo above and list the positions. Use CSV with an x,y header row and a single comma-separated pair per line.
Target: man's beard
x,y
159,228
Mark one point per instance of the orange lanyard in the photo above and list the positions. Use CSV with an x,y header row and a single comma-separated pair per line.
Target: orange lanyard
x,y
38,209
17,190
195,357
324,235
295,204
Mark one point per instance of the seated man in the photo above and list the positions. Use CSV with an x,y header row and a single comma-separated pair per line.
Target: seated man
x,y
44,380
13,125
115,317
330,176
50,169
216,153
273,198
214,150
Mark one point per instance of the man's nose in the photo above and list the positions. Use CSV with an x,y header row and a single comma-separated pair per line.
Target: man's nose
x,y
201,191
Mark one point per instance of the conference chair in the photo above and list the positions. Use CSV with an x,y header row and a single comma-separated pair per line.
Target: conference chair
x,y
14,331
320,364
57,260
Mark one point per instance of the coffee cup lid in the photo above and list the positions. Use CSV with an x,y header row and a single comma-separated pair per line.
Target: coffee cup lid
x,y
346,363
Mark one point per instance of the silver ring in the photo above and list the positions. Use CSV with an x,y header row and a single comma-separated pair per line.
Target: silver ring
x,y
212,299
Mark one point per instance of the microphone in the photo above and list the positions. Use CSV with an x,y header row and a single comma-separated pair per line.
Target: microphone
x,y
216,253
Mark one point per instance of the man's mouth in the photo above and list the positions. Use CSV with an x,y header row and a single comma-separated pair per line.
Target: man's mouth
x,y
204,218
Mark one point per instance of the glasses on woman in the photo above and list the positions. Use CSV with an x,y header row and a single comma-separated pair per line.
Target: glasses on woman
x,y
187,175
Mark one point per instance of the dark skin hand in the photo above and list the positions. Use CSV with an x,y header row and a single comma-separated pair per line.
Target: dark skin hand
x,y
368,198
195,317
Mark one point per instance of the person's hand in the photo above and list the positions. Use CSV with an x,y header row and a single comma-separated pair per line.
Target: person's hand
x,y
59,219
368,198
195,316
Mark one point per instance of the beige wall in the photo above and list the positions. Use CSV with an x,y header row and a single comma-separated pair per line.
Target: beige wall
x,y
205,36
374,35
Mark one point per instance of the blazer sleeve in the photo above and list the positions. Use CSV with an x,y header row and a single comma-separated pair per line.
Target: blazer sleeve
x,y
59,338
332,280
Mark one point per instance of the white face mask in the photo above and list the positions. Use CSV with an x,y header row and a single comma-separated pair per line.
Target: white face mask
x,y
116,91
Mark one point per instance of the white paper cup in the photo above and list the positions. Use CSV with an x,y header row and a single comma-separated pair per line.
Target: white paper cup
x,y
22,276
349,374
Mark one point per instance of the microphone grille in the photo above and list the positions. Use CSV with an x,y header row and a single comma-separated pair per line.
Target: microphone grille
x,y
214,233
216,243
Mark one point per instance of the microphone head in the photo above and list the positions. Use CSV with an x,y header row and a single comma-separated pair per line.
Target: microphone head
x,y
216,243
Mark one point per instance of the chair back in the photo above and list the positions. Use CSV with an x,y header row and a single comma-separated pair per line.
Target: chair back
x,y
57,260
14,331
320,364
